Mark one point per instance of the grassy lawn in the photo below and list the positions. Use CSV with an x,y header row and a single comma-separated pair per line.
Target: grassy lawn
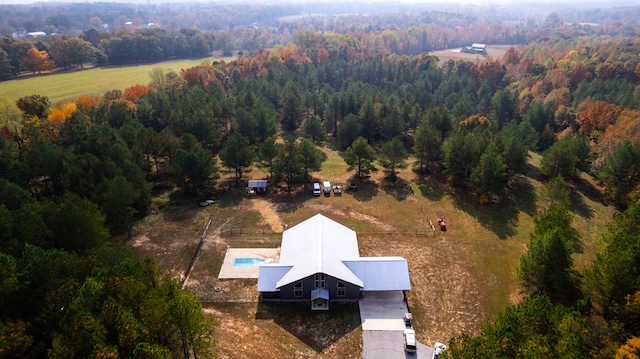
x,y
67,86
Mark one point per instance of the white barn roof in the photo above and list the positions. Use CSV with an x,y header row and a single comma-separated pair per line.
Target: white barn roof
x,y
381,273
318,245
322,245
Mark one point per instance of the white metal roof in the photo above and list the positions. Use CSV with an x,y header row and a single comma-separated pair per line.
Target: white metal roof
x,y
257,183
269,274
318,245
381,273
322,245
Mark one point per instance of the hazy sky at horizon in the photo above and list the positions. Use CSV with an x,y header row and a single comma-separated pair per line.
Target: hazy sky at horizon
x,y
593,3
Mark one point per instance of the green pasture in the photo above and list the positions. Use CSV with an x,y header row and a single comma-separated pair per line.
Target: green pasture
x,y
67,86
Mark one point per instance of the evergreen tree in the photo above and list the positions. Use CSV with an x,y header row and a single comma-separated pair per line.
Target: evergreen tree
x,y
620,174
546,267
237,154
427,144
490,175
314,130
287,165
360,155
310,157
268,153
392,156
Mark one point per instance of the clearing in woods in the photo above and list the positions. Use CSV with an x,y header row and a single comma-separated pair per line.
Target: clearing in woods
x,y
460,278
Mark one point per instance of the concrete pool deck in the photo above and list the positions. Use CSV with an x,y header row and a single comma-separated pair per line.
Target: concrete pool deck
x,y
229,271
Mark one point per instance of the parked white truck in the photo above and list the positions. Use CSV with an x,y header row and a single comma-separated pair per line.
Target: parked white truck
x,y
326,187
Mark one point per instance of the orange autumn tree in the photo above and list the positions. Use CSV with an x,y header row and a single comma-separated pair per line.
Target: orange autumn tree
x,y
85,103
625,129
200,75
597,116
134,92
38,61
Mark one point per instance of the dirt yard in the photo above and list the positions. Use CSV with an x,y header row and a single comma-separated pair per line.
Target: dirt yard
x,y
460,278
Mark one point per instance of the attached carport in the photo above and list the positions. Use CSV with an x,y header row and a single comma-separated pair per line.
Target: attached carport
x,y
381,314
383,310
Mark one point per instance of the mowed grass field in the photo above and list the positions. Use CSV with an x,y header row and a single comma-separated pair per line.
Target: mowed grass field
x,y
493,51
67,86
460,278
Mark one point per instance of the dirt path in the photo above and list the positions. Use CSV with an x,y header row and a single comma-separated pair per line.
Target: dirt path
x,y
352,214
269,215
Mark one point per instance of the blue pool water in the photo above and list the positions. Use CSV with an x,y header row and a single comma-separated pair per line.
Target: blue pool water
x,y
247,262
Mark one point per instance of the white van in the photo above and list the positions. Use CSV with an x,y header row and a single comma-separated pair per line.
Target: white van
x,y
316,188
326,187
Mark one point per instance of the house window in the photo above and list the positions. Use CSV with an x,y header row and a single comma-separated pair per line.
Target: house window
x,y
319,280
297,289
342,288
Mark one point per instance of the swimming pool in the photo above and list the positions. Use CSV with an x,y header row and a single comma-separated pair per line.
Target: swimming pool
x,y
247,262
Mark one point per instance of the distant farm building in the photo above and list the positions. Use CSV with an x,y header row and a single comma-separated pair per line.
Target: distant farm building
x,y
36,34
480,49
23,34
320,262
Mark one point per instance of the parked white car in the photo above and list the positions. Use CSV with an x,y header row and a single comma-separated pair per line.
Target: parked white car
x,y
438,348
316,188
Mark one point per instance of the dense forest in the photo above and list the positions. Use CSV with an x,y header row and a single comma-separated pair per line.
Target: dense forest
x,y
75,174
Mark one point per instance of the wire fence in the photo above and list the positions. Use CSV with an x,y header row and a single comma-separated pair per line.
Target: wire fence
x,y
418,232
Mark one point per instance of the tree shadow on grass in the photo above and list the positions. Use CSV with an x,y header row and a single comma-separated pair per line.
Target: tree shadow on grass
x,y
431,190
501,217
579,206
181,206
522,194
365,191
589,190
317,329
232,194
399,189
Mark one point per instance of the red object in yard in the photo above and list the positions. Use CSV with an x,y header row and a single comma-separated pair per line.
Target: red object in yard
x,y
443,224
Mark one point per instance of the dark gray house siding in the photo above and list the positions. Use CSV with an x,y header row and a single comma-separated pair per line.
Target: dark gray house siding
x,y
288,292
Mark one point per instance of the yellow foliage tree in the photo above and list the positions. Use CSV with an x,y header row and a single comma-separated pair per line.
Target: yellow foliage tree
x,y
59,115
630,350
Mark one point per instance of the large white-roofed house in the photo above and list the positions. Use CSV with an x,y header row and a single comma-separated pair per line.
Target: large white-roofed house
x,y
320,262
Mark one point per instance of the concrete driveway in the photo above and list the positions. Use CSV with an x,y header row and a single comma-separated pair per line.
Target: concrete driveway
x,y
381,315
383,311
